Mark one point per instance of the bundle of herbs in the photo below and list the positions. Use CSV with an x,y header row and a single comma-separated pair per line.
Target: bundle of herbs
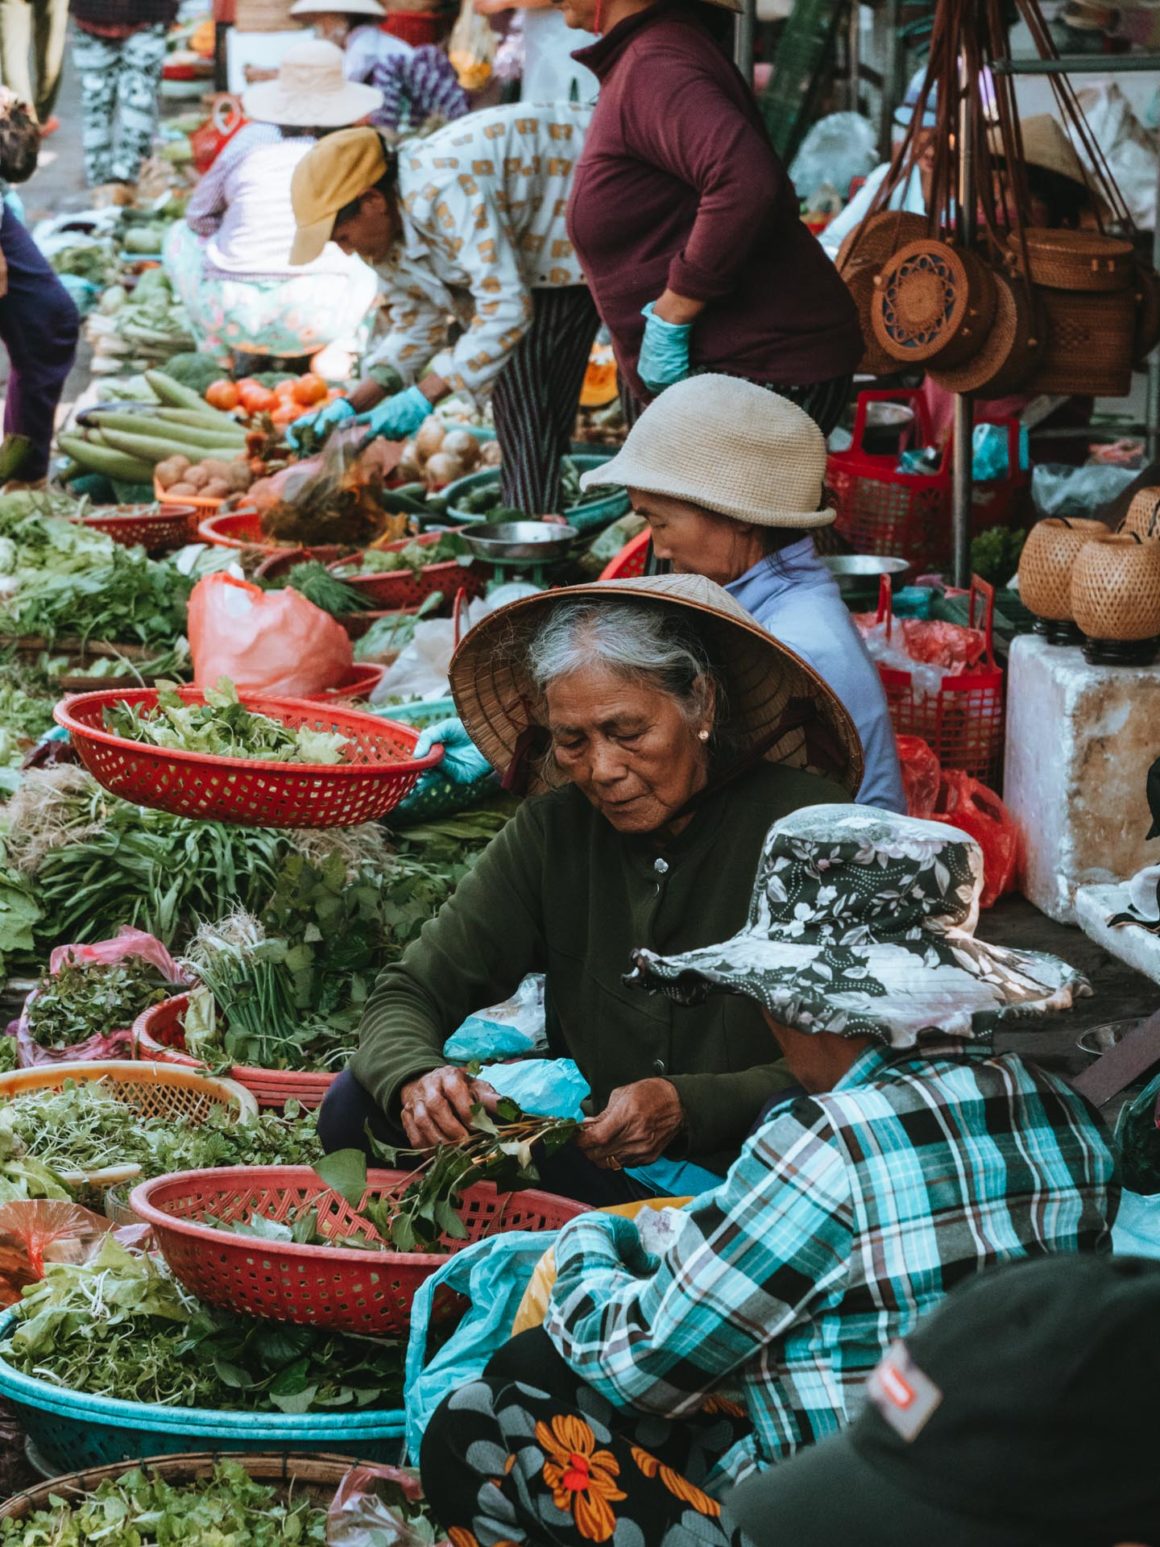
x,y
147,1511
119,1326
320,585
414,557
221,726
92,999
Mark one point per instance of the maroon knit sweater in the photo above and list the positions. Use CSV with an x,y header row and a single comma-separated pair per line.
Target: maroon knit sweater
x,y
679,186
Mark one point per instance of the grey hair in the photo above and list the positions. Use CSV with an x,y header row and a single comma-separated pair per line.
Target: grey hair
x,y
656,645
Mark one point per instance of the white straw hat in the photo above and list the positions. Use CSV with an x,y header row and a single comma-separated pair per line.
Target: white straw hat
x,y
338,7
311,89
728,446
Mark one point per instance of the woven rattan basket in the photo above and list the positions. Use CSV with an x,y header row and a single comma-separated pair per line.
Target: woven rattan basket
x,y
933,304
879,237
1009,351
1088,345
1147,293
1046,563
1076,260
1143,515
290,1475
860,280
1115,587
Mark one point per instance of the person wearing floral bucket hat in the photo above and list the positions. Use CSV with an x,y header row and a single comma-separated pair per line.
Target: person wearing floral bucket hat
x,y
913,1158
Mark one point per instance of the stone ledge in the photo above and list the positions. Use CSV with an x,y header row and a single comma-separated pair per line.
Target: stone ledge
x,y
1137,947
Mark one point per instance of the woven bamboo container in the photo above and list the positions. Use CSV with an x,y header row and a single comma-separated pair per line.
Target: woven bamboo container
x,y
1076,260
1046,563
1089,343
879,237
1143,517
860,277
1010,350
1115,587
933,304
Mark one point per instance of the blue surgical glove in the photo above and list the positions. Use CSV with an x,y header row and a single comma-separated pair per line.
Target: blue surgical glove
x,y
398,416
320,420
664,353
463,762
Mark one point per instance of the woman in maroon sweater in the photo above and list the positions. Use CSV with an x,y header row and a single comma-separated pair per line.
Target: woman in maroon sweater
x,y
686,223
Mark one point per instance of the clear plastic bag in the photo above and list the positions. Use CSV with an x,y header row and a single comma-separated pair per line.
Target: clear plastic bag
x,y
37,1231
332,498
379,1506
1077,491
503,1030
471,47
837,149
273,642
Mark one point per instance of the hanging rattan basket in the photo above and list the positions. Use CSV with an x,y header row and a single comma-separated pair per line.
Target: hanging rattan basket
x,y
1010,350
1143,515
1045,565
860,278
1115,587
1088,344
933,304
1075,260
879,237
1147,293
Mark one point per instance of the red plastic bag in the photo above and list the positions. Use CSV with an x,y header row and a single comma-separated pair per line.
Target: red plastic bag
x,y
209,140
273,642
965,803
126,942
40,1230
920,775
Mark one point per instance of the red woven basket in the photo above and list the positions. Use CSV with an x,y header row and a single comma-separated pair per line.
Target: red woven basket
x,y
631,560
400,588
379,771
159,1038
238,529
341,1287
359,682
963,722
155,530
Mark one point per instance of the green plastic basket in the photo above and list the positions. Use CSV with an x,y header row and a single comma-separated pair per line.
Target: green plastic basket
x,y
585,517
436,795
73,1430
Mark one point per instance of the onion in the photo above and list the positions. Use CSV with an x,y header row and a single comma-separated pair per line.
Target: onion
x,y
463,445
442,469
430,437
490,455
410,463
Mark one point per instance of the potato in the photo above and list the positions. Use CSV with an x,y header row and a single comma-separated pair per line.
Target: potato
x,y
171,470
216,489
430,437
197,476
442,469
182,489
216,468
463,445
239,477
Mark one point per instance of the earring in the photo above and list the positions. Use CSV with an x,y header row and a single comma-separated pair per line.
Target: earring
x,y
703,735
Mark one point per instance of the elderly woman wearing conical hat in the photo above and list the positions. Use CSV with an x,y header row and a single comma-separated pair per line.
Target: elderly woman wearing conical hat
x,y
730,477
660,731
228,257
913,1158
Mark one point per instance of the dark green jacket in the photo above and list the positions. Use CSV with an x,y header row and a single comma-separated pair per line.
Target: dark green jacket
x,y
559,891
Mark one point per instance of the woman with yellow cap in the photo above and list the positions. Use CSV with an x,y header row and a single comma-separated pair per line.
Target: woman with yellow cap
x,y
467,222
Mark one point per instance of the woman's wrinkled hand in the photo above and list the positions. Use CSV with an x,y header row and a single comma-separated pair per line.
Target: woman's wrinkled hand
x,y
639,1123
437,1107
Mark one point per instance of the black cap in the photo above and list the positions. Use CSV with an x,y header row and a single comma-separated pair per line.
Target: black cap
x,y
1024,1411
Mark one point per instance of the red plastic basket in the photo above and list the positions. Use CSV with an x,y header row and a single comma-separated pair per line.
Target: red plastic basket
x,y
631,560
284,560
908,515
155,530
379,771
238,529
403,589
963,722
359,682
414,27
342,1287
159,1038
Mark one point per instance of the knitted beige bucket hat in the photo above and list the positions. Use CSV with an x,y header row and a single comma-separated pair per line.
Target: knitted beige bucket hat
x,y
728,446
779,708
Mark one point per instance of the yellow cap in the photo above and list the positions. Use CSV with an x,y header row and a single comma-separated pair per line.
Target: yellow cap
x,y
336,170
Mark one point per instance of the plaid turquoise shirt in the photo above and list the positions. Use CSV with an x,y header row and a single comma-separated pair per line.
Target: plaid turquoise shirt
x,y
846,1216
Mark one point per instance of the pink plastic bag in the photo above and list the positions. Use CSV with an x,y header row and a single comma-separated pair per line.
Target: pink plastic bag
x,y
126,942
36,1231
273,642
371,1507
965,803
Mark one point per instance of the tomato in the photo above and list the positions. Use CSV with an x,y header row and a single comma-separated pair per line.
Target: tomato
x,y
284,391
285,413
309,389
222,394
255,398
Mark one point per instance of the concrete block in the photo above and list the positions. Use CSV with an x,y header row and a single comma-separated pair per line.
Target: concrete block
x,y
1139,948
1080,741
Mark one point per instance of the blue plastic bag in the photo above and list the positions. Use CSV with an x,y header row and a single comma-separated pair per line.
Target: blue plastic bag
x,y
545,1087
504,1030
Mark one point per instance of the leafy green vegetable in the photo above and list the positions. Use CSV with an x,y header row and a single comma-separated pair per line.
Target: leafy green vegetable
x,y
143,1510
995,553
414,557
119,1326
22,1176
92,999
223,727
194,370
319,585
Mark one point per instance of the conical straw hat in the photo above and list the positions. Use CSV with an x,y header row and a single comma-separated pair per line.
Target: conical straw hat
x,y
766,686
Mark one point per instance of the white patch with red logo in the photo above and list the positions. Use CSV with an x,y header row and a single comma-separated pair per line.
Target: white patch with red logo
x,y
904,1396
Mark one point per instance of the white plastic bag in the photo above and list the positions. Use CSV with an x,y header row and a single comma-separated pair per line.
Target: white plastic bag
x,y
504,1030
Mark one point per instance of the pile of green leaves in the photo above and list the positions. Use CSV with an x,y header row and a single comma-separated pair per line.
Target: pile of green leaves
x,y
223,727
119,1326
429,861
499,1149
26,705
143,1510
92,999
414,557
22,1176
995,553
394,631
323,587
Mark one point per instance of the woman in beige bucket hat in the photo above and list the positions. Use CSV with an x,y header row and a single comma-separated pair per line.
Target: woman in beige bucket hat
x,y
661,731
730,478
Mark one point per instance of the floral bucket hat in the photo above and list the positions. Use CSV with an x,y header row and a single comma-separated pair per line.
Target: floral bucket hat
x,y
862,923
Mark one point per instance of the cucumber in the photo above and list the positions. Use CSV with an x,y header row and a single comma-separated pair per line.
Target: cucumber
x,y
167,437
172,392
208,419
105,459
147,449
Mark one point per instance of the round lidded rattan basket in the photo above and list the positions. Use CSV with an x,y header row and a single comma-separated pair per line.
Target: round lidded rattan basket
x,y
1088,345
1143,515
1010,350
1046,563
1075,260
933,304
1115,587
860,277
878,237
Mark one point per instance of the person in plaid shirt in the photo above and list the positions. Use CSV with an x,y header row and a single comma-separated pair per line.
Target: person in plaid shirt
x,y
913,1158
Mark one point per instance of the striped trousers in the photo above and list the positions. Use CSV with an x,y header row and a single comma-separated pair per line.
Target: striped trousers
x,y
536,396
